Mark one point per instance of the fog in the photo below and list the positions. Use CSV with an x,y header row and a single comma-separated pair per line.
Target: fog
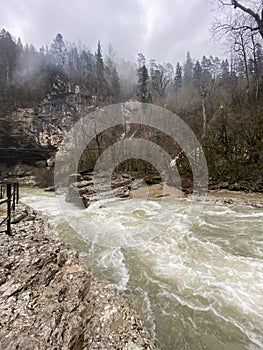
x,y
161,29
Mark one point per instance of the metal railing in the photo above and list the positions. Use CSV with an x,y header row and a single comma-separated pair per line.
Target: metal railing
x,y
9,195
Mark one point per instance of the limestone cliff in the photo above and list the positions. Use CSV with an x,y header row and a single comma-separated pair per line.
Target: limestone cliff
x,y
31,135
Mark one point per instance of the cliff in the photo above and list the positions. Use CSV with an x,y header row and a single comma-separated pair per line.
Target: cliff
x,y
29,137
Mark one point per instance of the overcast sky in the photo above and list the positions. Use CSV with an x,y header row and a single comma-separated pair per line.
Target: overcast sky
x,y
161,29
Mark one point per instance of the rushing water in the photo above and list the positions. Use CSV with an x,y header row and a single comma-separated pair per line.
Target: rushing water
x,y
199,286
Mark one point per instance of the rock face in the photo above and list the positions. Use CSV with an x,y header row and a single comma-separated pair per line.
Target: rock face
x,y
49,301
30,135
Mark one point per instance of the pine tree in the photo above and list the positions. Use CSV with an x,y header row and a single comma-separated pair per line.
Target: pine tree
x,y
115,86
225,74
88,64
8,57
143,80
113,80
99,63
197,73
188,70
102,86
58,51
178,80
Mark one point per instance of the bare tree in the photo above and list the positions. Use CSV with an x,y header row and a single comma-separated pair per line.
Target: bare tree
x,y
161,77
244,30
252,9
257,16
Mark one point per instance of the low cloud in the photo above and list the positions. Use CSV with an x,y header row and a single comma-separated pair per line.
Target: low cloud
x,y
161,29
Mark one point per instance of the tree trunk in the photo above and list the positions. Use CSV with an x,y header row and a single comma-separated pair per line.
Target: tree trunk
x,y
204,118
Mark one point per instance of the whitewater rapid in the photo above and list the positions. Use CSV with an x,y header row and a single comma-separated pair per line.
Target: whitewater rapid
x,y
198,282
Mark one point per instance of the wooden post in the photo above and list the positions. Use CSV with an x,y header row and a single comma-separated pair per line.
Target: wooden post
x,y
17,192
9,195
2,192
14,197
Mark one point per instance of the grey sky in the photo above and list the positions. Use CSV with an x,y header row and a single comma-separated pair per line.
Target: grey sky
x,y
161,29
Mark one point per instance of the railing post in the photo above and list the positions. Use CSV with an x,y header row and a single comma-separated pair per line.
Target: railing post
x,y
2,192
14,197
9,195
17,192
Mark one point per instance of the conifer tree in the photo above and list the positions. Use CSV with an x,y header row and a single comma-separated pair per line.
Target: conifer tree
x,y
143,80
102,86
178,80
58,50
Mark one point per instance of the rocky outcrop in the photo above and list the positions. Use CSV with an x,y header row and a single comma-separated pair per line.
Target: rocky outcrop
x,y
30,135
49,301
84,191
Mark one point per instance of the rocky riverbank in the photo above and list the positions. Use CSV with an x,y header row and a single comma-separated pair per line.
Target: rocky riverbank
x,y
221,197
227,197
48,300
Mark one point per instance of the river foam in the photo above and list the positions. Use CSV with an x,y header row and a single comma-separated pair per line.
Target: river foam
x,y
200,280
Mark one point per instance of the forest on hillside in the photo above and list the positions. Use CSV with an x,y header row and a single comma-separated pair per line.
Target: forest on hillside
x,y
221,99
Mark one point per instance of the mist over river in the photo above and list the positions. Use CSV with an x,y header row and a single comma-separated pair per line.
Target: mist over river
x,y
198,286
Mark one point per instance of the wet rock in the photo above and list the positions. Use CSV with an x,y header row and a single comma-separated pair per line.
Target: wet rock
x,y
85,192
18,216
234,187
50,189
48,300
118,326
223,185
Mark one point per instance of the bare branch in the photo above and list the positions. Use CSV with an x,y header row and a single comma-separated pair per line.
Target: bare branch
x,y
253,14
245,28
248,10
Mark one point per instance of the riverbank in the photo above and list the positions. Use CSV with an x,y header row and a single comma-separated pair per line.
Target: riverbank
x,y
48,300
157,191
125,186
221,196
228,197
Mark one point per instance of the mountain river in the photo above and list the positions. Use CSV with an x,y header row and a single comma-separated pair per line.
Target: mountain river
x,y
198,283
